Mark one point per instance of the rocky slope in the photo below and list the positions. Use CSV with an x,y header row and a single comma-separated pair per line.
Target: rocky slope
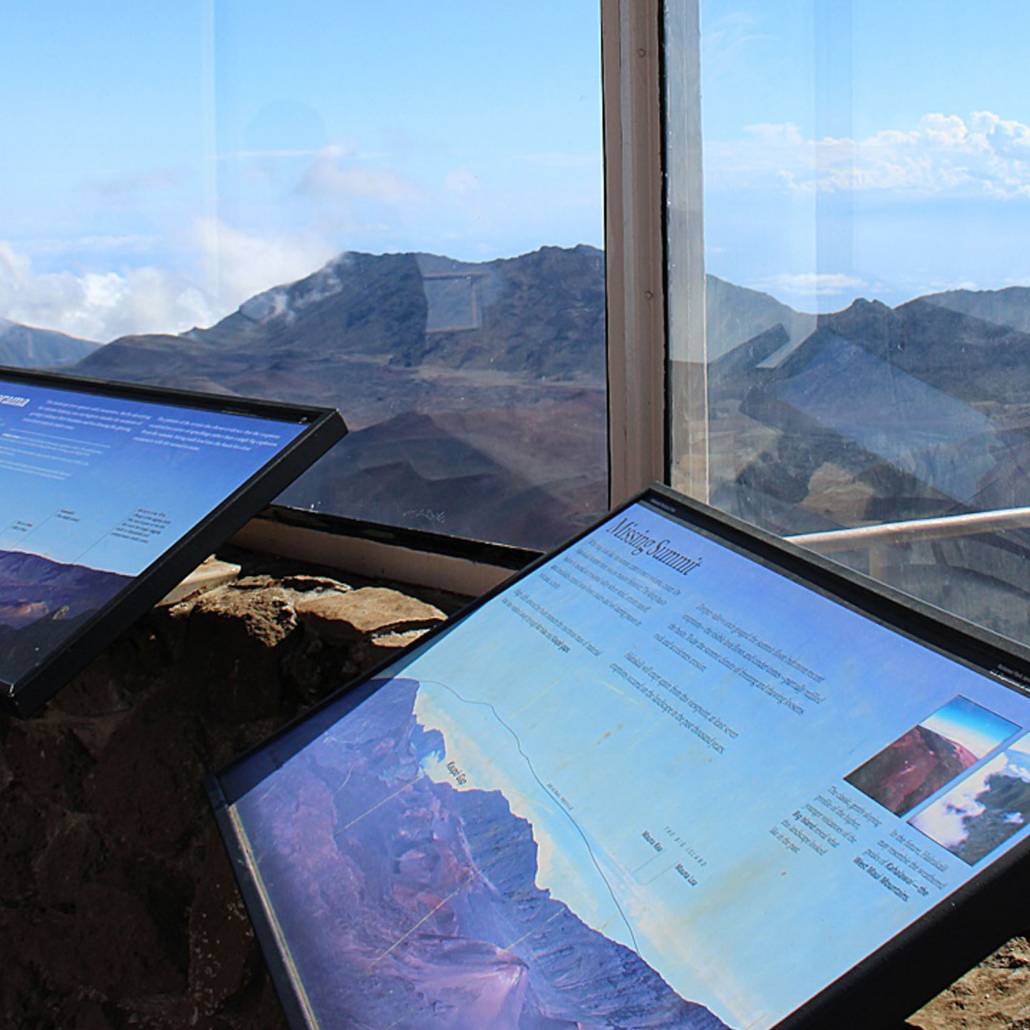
x,y
475,397
475,393
22,346
1010,306
885,415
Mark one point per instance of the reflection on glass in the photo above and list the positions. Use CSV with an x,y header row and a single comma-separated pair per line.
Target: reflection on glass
x,y
398,213
865,180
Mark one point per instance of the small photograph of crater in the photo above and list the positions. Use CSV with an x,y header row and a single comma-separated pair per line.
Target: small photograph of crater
x,y
931,755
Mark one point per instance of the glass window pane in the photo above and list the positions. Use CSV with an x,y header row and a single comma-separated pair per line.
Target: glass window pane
x,y
397,211
859,174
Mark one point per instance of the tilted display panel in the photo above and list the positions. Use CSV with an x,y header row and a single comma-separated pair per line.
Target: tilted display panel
x,y
111,494
675,774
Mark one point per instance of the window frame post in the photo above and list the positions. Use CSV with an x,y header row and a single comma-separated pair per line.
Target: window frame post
x,y
634,245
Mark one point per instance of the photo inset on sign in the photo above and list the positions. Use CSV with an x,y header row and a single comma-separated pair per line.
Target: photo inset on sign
x,y
930,755
44,601
985,809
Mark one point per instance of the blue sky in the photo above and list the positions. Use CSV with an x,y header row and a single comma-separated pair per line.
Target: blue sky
x,y
972,726
167,161
910,175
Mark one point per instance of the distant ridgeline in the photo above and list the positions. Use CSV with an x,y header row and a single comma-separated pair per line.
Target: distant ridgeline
x,y
21,346
882,415
475,393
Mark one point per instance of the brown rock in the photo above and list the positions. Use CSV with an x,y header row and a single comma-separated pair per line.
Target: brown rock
x,y
20,982
394,640
356,615
993,996
224,953
264,613
26,823
73,855
145,790
208,575
259,582
84,1014
47,757
117,903
6,776
109,941
229,658
313,584
126,668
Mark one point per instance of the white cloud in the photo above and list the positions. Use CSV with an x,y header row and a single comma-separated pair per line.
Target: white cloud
x,y
110,244
461,181
818,284
333,174
982,154
338,150
138,182
241,264
97,306
729,39
226,267
249,155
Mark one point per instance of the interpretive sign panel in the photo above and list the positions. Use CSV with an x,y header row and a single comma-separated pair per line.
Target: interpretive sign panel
x,y
110,495
675,775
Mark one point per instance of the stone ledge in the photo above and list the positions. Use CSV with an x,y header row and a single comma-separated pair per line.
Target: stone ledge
x,y
209,574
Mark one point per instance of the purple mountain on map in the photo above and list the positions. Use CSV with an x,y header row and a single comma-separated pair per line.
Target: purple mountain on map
x,y
32,586
42,602
409,904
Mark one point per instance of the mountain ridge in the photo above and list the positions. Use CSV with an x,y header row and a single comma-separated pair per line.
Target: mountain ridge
x,y
516,348
25,346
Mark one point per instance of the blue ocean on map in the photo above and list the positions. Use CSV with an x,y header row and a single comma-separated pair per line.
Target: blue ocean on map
x,y
409,904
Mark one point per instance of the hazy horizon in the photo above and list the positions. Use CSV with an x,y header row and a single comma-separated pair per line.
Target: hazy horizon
x,y
170,163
